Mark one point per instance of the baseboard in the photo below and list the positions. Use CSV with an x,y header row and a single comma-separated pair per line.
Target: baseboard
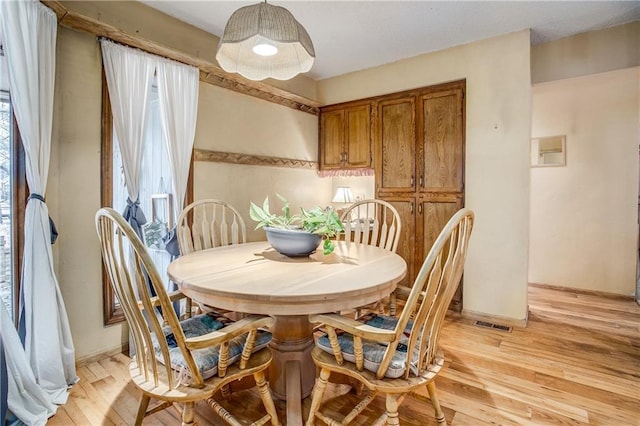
x,y
95,357
605,294
496,319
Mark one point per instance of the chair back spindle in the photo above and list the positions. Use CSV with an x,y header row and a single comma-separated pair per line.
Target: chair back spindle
x,y
372,222
209,223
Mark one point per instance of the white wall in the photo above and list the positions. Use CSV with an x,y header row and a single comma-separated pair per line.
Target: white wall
x,y
498,128
584,228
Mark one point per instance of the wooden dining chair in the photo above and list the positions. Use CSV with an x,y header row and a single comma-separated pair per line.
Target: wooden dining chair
x,y
372,222
396,355
179,362
210,223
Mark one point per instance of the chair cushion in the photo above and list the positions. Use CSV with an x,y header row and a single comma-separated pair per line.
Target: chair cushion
x,y
206,359
373,351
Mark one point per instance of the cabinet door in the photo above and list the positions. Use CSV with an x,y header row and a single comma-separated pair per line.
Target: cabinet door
x,y
331,139
358,132
395,145
432,216
441,142
406,208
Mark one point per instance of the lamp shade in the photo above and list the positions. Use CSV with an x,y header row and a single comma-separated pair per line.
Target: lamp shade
x,y
343,195
265,41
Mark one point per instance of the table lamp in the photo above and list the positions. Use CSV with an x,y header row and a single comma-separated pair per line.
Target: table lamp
x,y
343,196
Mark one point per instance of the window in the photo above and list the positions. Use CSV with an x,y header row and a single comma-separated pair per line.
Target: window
x,y
154,191
12,205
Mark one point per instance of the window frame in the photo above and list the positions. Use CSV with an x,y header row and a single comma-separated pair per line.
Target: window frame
x,y
112,312
19,194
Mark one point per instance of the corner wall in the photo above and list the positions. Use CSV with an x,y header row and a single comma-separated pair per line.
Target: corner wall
x,y
498,128
584,229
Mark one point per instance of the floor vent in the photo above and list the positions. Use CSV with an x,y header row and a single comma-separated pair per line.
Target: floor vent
x,y
487,324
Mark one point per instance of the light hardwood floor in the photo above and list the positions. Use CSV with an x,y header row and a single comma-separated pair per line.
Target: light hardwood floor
x,y
576,363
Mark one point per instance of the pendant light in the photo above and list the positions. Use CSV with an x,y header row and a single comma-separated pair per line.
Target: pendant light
x,y
265,41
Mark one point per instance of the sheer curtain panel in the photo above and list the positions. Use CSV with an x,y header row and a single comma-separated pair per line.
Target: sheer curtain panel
x,y
29,35
129,73
178,93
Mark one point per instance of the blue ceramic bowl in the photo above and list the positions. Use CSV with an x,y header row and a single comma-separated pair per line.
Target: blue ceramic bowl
x,y
292,242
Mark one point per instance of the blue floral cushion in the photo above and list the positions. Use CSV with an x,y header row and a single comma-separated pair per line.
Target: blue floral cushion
x,y
373,352
207,359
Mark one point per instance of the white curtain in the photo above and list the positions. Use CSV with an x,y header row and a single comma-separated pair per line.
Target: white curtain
x,y
27,400
129,73
178,93
29,33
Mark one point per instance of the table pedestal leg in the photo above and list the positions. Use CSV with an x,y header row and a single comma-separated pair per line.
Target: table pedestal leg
x,y
292,372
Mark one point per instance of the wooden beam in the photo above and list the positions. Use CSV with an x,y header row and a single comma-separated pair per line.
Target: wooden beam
x,y
252,160
209,72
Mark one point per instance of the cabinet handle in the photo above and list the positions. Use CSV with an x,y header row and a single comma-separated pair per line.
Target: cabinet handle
x,y
411,207
412,180
420,208
421,181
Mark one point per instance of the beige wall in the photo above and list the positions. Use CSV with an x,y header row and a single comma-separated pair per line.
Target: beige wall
x,y
231,122
584,228
592,52
498,128
74,190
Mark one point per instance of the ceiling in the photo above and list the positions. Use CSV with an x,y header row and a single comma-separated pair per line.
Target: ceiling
x,y
354,35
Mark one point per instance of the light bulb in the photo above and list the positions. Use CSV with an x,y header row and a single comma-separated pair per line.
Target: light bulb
x,y
265,48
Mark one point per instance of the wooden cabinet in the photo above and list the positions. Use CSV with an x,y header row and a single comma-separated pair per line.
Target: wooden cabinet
x,y
419,163
416,140
345,136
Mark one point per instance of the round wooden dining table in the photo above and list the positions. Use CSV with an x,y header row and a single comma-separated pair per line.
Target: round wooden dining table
x,y
254,278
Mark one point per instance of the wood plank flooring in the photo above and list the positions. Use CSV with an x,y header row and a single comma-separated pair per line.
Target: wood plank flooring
x,y
576,363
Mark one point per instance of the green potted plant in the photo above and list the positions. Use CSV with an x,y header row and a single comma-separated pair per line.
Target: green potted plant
x,y
297,234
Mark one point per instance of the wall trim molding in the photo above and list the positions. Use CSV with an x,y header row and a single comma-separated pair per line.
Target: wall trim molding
x,y
209,72
584,291
99,356
252,160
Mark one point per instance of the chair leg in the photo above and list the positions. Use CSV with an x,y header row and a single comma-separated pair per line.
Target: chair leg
x,y
188,414
142,408
433,394
392,409
392,304
318,393
267,400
